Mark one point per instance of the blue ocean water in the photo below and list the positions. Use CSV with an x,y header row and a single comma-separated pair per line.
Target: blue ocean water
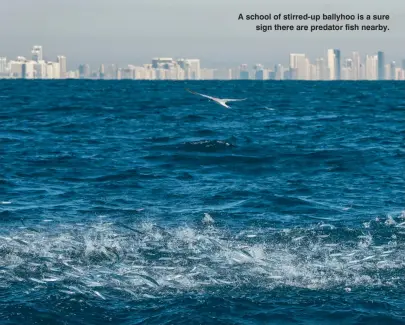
x,y
139,203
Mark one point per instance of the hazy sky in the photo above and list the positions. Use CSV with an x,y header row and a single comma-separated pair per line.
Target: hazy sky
x,y
133,31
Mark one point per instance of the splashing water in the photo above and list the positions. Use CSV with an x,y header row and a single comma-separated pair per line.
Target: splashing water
x,y
122,263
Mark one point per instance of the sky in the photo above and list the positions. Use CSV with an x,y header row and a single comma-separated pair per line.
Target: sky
x,y
134,31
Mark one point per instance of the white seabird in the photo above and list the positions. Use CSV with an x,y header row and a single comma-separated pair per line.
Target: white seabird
x,y
220,101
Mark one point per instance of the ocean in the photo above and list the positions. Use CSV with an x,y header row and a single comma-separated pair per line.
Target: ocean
x,y
136,202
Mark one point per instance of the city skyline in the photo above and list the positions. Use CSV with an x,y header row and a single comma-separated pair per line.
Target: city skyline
x,y
125,31
74,62
335,65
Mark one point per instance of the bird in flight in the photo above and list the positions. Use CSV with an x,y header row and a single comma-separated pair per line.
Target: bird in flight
x,y
220,101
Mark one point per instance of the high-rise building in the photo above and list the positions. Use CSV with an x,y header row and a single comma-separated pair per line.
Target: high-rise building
x,y
28,70
299,66
40,70
312,72
84,71
260,72
160,74
111,72
356,66
181,74
271,75
294,59
305,73
158,62
399,74
371,67
139,72
403,64
128,72
235,73
381,64
334,64
338,62
244,72
331,64
387,71
362,72
195,68
278,72
346,72
322,71
16,69
56,70
101,71
37,54
3,65
292,74
63,66
392,70
191,67
49,70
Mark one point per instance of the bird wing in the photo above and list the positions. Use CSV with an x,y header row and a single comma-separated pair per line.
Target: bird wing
x,y
233,100
206,96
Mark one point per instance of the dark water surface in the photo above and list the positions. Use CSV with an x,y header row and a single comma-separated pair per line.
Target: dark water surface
x,y
140,203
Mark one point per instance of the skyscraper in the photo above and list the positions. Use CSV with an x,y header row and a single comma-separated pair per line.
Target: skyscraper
x,y
16,69
28,70
371,67
50,70
3,65
56,69
101,71
37,54
299,66
334,64
294,58
40,70
338,62
62,63
331,64
322,72
392,70
244,72
191,67
387,71
260,72
84,71
195,68
111,72
346,73
158,62
278,72
362,72
313,75
356,66
381,65
399,74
